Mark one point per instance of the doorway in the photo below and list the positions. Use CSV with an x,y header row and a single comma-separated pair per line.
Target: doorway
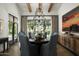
x,y
13,29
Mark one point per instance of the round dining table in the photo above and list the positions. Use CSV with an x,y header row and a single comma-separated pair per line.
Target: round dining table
x,y
39,44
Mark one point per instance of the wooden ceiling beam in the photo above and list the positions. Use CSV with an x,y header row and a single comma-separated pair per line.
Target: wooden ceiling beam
x,y
40,6
50,7
29,7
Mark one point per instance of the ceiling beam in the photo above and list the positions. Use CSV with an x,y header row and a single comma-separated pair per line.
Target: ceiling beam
x,y
50,7
40,6
29,7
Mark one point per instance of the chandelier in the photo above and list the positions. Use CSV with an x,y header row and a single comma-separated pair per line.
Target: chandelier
x,y
39,19
39,11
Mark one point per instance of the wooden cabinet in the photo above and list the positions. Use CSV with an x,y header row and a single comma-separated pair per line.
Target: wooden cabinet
x,y
70,42
77,46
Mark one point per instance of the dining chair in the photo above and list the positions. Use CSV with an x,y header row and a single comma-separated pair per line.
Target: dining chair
x,y
33,49
50,48
24,48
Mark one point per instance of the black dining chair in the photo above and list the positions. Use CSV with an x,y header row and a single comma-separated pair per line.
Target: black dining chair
x,y
50,48
24,48
33,49
27,49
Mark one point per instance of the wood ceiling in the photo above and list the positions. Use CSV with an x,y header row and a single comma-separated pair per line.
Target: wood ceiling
x,y
40,7
46,8
29,7
50,7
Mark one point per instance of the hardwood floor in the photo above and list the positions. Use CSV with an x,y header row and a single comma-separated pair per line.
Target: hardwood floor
x,y
61,51
14,50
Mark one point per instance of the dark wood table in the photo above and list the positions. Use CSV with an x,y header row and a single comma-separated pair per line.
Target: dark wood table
x,y
41,42
3,41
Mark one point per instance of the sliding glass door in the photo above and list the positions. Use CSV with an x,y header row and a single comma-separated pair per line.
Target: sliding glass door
x,y
13,28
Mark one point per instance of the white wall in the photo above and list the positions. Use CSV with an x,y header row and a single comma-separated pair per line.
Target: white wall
x,y
4,10
65,7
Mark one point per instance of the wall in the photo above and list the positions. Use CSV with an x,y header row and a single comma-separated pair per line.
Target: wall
x,y
4,10
65,7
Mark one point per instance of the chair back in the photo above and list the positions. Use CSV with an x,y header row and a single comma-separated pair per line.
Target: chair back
x,y
53,44
53,38
23,44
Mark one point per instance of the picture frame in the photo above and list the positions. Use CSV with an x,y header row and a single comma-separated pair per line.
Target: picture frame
x,y
1,25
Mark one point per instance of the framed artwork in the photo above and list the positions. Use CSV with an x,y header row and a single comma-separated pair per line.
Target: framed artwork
x,y
1,25
70,21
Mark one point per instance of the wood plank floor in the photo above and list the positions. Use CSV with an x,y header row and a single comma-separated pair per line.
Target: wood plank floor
x,y
14,50
61,51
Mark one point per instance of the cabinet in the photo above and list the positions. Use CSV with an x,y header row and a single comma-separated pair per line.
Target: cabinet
x,y
71,42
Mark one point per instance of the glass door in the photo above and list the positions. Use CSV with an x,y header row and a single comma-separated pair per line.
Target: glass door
x,y
10,27
13,28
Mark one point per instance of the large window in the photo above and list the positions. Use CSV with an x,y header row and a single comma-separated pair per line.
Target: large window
x,y
13,28
10,24
39,26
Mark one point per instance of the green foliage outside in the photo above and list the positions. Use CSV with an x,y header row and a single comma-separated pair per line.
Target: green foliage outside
x,y
10,25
